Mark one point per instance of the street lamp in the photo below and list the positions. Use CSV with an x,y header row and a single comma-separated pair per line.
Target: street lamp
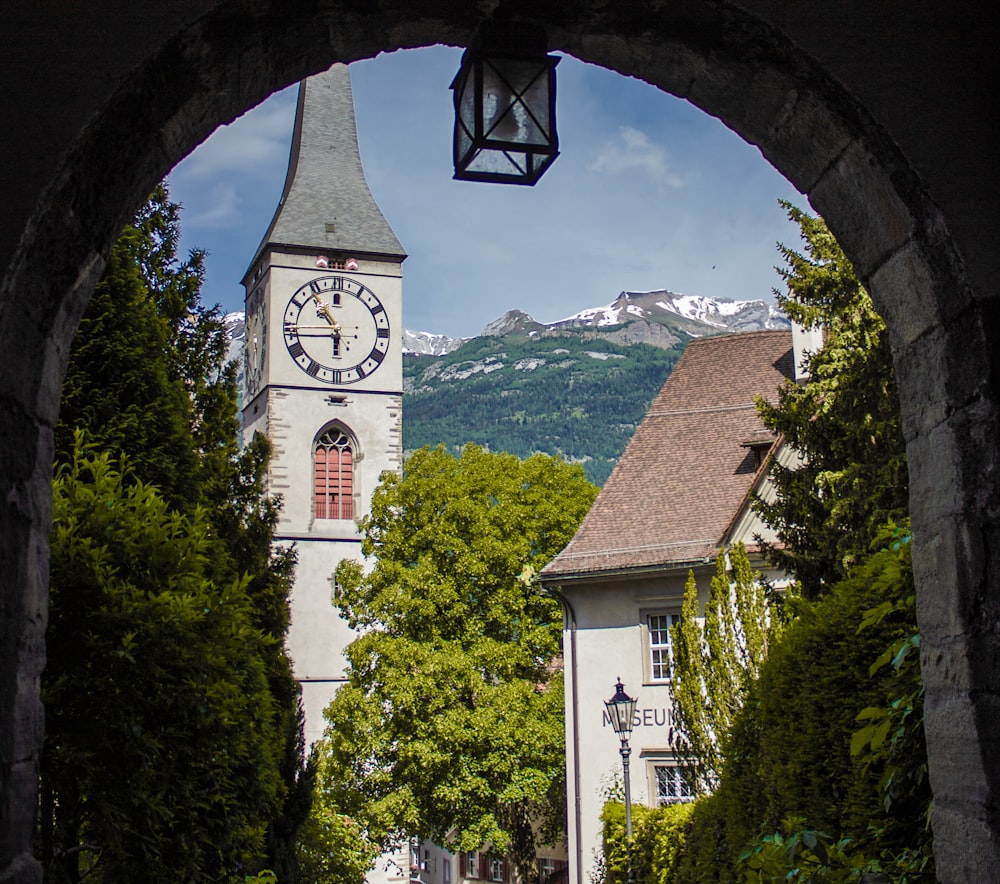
x,y
621,711
505,108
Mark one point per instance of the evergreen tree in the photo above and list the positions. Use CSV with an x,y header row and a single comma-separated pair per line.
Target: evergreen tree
x,y
160,759
450,726
716,664
844,421
124,383
148,378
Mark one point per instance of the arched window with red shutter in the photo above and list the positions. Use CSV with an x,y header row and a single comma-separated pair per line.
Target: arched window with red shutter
x,y
333,475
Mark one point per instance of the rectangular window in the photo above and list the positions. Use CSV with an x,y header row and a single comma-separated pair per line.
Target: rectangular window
x,y
472,864
671,787
660,651
445,871
496,870
546,869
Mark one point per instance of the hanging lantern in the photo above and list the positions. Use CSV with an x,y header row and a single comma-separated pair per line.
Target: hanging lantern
x,y
505,113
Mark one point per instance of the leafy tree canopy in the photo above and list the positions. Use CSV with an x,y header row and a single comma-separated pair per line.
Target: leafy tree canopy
x,y
331,848
450,726
844,421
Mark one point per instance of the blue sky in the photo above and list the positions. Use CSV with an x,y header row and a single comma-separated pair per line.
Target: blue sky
x,y
648,193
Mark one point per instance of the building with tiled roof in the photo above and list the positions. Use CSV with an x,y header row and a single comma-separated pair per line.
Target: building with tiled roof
x,y
679,494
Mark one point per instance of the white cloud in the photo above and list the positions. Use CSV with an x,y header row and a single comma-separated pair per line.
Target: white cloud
x,y
634,152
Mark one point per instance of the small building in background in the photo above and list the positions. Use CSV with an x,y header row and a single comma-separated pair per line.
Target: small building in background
x,y
678,496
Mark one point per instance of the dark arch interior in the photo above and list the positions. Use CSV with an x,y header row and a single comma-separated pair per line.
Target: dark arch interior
x,y
832,98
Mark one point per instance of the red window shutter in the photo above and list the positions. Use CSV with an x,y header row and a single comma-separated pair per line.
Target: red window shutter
x,y
320,482
506,870
461,864
333,478
346,485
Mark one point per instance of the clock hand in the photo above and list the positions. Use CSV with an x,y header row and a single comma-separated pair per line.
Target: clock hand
x,y
323,309
335,327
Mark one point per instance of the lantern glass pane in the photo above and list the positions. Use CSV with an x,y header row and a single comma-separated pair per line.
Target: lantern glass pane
x,y
465,113
500,162
619,717
516,101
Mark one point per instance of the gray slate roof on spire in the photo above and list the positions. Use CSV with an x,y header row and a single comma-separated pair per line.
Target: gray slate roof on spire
x,y
326,203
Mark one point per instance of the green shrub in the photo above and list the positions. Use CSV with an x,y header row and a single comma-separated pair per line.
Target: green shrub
x,y
658,837
791,745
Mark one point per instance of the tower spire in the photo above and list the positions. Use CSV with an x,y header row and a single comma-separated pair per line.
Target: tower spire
x,y
326,204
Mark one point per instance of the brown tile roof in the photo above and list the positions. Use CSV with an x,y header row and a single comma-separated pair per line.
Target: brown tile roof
x,y
687,470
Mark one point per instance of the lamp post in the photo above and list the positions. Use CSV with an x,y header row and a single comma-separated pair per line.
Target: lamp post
x,y
621,710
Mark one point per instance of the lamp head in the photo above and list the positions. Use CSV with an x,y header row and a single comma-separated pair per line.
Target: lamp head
x,y
621,711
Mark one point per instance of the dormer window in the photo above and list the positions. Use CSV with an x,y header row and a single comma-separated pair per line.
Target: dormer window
x,y
760,444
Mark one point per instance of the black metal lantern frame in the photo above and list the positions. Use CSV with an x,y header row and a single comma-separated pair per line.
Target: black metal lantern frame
x,y
505,114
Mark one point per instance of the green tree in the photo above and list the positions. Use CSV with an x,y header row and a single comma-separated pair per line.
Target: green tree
x,y
159,762
450,726
790,752
332,848
148,378
844,421
716,662
125,383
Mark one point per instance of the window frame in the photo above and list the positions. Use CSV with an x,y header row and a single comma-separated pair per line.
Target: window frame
x,y
547,867
472,865
684,793
648,648
496,870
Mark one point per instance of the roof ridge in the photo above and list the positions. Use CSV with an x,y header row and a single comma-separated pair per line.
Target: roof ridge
x,y
708,409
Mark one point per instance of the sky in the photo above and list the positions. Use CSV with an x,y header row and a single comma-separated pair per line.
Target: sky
x,y
649,192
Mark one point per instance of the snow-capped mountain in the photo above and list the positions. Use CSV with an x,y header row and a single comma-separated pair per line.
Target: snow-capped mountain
x,y
633,317
429,344
720,313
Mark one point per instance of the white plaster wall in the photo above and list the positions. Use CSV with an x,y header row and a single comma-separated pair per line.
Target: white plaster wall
x,y
610,644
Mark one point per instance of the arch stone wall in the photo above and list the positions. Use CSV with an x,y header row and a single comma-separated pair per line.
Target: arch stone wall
x,y
888,126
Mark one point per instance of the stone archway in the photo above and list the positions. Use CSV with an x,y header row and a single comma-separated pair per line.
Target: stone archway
x,y
741,68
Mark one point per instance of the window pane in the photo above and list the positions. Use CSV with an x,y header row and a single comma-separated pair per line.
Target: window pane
x,y
671,787
660,652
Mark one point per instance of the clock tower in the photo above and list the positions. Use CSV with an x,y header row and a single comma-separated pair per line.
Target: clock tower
x,y
323,372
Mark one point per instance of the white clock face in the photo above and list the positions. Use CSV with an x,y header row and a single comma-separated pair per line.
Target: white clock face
x,y
256,329
336,330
